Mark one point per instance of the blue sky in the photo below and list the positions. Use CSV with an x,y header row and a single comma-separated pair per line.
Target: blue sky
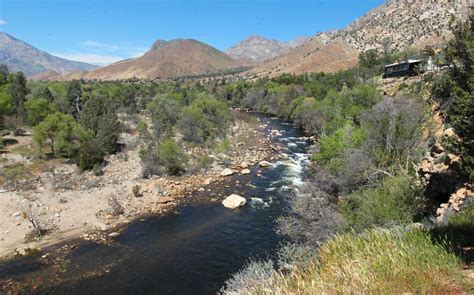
x,y
101,31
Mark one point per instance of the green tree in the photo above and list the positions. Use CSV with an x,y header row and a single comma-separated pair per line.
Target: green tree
x,y
61,133
73,98
3,74
18,92
99,117
460,53
38,109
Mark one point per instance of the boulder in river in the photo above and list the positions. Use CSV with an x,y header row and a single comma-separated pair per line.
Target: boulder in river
x,y
245,172
264,164
234,201
227,172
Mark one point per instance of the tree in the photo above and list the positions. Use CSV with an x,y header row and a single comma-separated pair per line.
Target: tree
x,y
370,63
73,97
61,133
6,105
100,119
393,126
18,92
38,109
460,53
165,112
3,74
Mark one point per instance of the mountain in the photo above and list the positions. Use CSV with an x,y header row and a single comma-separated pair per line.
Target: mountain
x,y
397,24
20,56
257,49
166,59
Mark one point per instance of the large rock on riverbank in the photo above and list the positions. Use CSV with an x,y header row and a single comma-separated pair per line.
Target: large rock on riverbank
x,y
234,201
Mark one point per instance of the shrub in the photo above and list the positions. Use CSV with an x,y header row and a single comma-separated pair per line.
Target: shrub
x,y
171,156
393,201
313,218
61,132
377,262
459,230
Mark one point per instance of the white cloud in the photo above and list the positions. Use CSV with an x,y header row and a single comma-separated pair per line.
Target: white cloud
x,y
3,22
96,59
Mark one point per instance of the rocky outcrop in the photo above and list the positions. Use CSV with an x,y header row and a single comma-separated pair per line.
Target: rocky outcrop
x,y
234,201
458,201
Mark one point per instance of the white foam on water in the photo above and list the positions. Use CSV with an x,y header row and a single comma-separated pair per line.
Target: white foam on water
x,y
259,202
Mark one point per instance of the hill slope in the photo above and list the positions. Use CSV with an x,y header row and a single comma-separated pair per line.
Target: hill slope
x,y
168,59
398,24
20,56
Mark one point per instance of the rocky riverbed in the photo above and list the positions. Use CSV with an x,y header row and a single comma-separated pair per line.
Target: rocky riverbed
x,y
70,204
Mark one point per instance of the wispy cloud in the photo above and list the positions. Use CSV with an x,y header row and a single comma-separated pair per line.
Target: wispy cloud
x,y
131,51
96,59
2,22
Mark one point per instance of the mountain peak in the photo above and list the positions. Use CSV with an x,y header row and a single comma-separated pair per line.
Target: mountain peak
x,y
21,56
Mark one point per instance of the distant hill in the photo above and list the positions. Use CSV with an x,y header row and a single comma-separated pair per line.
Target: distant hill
x,y
257,49
166,59
20,56
397,24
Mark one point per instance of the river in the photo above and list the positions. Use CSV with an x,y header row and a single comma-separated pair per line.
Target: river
x,y
192,251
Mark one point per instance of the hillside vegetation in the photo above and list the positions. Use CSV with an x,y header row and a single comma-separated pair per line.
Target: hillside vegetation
x,y
363,223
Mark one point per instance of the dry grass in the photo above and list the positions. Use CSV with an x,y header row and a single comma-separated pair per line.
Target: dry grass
x,y
377,262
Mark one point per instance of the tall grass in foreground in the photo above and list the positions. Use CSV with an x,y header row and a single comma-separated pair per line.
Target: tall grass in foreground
x,y
376,262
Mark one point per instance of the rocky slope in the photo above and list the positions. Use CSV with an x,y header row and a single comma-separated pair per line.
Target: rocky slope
x,y
396,24
166,59
257,49
20,56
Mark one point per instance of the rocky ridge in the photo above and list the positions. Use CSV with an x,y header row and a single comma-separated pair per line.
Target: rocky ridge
x,y
20,56
257,49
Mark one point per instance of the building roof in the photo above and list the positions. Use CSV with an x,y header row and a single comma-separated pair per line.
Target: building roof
x,y
410,61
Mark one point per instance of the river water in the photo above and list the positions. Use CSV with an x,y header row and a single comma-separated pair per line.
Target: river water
x,y
193,251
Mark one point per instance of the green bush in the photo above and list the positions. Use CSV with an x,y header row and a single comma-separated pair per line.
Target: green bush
x,y
171,156
394,201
